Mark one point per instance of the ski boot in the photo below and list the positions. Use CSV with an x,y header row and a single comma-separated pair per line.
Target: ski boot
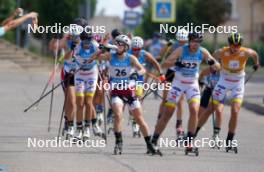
x,y
216,140
97,131
191,149
152,149
69,133
179,135
118,148
86,133
135,129
78,134
99,115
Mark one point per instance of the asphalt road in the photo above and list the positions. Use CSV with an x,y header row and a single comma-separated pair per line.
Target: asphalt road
x,y
19,88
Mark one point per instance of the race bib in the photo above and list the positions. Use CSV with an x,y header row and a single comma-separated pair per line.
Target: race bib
x,y
234,64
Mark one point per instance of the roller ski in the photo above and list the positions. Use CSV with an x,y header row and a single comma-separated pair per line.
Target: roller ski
x,y
118,148
231,148
135,129
97,131
153,150
191,150
217,141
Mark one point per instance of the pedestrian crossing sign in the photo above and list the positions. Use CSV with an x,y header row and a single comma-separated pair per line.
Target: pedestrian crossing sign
x,y
163,11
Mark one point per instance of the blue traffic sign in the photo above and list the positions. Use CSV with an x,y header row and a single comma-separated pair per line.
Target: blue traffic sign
x,y
163,10
132,19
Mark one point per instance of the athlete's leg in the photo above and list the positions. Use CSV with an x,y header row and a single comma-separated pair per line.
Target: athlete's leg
x,y
70,103
169,107
117,107
179,112
237,98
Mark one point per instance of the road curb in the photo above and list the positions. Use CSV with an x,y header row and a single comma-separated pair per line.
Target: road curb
x,y
253,107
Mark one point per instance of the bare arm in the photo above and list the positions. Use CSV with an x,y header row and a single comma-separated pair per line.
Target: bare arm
x,y
15,23
151,59
204,73
135,62
207,56
254,55
12,16
170,61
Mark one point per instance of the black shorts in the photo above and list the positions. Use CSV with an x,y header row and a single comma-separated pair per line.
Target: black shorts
x,y
68,79
169,75
206,95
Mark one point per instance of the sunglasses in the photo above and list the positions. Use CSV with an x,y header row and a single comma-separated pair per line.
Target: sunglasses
x,y
136,49
235,45
120,43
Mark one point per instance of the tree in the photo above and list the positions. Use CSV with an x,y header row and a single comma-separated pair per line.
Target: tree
x,y
213,12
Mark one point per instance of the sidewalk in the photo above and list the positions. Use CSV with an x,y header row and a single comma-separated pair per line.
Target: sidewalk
x,y
17,58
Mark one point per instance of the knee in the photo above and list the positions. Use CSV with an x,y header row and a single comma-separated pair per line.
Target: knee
x,y
80,105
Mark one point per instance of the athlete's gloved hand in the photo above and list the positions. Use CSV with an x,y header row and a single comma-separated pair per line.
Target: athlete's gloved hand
x,y
210,62
73,45
256,67
134,76
178,64
162,77
103,48
201,83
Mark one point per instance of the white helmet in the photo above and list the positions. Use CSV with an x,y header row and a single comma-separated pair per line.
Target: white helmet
x,y
182,35
124,39
137,42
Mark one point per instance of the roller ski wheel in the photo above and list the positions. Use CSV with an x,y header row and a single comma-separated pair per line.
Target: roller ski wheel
x,y
192,150
234,149
118,149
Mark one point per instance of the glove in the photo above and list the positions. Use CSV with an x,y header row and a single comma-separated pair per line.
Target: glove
x,y
73,45
256,66
178,64
201,83
210,62
162,77
103,48
134,76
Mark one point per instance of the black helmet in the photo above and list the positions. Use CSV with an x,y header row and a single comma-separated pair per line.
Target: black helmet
x,y
86,34
81,22
235,39
195,36
115,33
